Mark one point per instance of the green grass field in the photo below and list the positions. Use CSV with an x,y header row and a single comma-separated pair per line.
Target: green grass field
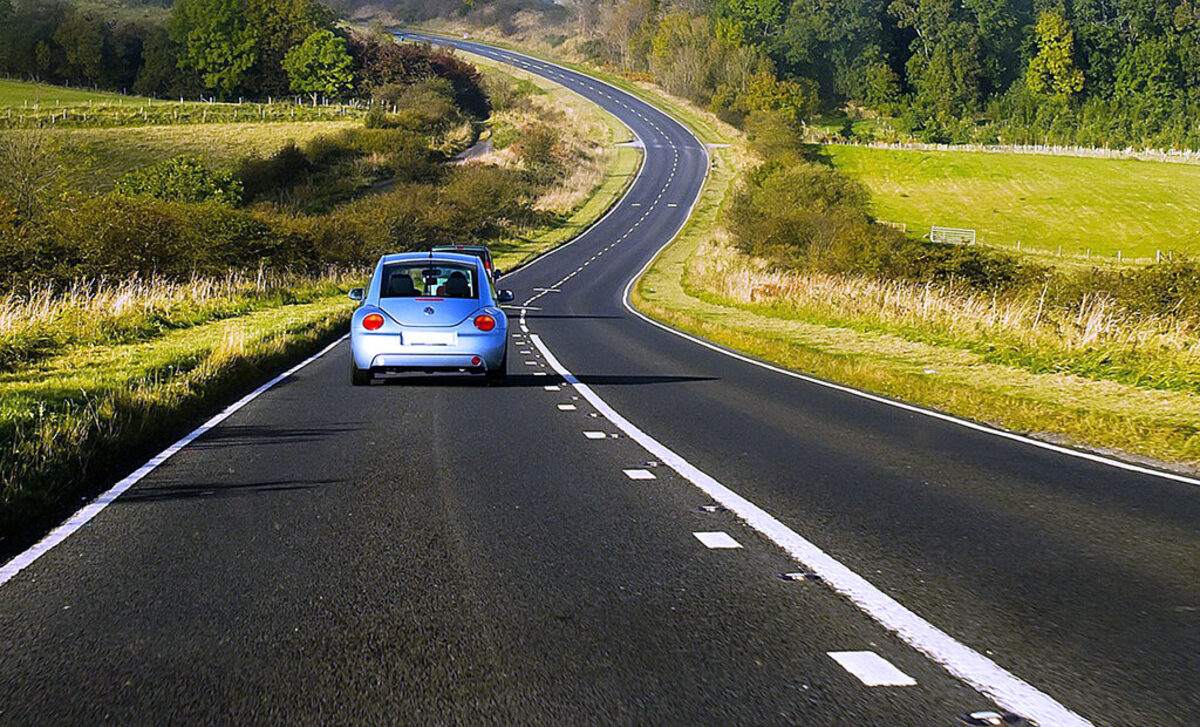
x,y
1103,205
112,152
20,93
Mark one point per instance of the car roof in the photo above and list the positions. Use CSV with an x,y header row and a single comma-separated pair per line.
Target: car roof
x,y
407,257
482,248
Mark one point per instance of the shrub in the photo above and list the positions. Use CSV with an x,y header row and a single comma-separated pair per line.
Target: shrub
x,y
538,150
182,179
808,216
1171,287
282,170
377,118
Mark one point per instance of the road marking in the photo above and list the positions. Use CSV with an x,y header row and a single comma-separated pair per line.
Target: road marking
x,y
639,474
595,435
552,388
85,514
717,540
1006,689
566,407
531,363
872,669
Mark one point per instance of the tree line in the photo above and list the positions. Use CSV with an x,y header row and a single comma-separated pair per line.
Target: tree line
x,y
1091,72
222,48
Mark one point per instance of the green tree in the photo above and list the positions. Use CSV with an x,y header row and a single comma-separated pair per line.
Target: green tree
x,y
752,21
7,13
1052,71
765,92
82,40
216,42
320,65
281,25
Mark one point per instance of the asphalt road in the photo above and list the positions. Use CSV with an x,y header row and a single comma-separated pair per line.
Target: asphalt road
x,y
445,552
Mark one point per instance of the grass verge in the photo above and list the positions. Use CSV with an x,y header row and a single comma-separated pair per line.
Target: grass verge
x,y
78,418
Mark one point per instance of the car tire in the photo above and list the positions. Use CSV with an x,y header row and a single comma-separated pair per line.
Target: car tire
x,y
500,374
359,377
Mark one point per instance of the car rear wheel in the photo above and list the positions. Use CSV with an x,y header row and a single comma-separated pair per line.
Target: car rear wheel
x,y
359,377
499,374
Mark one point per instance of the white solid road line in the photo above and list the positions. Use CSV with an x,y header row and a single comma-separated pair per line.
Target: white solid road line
x,y
717,540
872,669
1004,688
92,509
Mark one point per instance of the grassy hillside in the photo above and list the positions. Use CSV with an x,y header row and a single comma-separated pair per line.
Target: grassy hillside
x,y
112,152
20,93
1105,205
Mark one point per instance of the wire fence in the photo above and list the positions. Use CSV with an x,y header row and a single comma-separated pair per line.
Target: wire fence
x,y
114,110
1086,256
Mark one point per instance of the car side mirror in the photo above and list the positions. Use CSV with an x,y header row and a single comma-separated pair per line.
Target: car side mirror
x,y
496,275
356,294
505,296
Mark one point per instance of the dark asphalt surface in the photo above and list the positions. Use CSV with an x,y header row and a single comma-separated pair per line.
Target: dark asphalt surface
x,y
444,552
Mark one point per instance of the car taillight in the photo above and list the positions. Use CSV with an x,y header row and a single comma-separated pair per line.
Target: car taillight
x,y
372,322
484,322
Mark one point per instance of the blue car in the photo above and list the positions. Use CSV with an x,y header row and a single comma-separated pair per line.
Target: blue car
x,y
429,312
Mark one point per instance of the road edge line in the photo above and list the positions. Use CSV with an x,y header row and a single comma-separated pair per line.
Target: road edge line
x,y
85,514
989,678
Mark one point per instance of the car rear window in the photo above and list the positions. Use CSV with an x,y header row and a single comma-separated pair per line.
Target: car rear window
x,y
430,279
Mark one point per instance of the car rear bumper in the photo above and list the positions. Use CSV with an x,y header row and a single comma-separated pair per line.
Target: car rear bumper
x,y
385,353
398,363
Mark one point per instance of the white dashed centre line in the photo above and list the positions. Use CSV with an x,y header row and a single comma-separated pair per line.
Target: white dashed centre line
x,y
566,407
1006,689
595,435
553,388
872,669
639,474
717,540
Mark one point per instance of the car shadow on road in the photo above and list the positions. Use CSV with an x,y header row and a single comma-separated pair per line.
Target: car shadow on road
x,y
229,435
187,491
572,315
530,381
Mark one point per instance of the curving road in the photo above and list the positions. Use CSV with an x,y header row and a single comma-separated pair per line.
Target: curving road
x,y
549,552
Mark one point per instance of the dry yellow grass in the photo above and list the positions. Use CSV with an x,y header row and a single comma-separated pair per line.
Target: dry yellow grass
x,y
950,312
42,321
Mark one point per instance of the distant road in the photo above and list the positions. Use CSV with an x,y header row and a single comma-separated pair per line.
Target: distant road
x,y
601,542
